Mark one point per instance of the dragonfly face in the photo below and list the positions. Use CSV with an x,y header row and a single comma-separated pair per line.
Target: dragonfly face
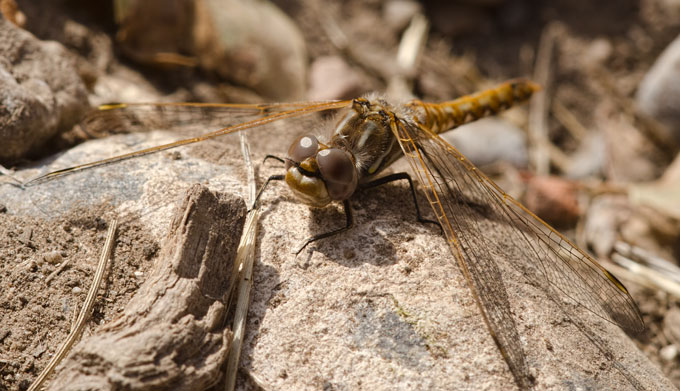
x,y
318,174
362,145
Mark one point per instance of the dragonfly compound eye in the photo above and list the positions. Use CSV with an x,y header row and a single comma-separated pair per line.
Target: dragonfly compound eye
x,y
303,148
338,172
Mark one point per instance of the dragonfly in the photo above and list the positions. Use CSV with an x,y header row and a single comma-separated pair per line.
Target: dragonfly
x,y
370,134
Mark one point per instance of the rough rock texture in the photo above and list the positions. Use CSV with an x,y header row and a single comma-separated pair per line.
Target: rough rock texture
x,y
383,306
40,91
171,335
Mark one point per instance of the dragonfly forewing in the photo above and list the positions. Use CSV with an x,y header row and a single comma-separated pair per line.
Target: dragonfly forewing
x,y
463,199
468,247
202,117
212,120
120,173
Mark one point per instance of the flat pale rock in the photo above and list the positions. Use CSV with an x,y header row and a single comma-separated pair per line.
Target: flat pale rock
x,y
381,307
490,140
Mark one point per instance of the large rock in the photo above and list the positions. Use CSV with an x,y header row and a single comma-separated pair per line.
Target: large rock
x,y
251,44
40,91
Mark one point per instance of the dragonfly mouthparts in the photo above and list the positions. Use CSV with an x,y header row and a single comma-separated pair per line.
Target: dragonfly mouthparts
x,y
307,173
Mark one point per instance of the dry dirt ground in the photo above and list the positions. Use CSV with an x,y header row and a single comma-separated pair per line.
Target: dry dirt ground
x,y
601,52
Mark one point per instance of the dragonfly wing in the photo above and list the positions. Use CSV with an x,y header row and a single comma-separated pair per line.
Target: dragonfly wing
x,y
463,198
129,173
136,117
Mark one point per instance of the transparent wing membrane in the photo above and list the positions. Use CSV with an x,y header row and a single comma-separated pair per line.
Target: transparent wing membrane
x,y
135,117
463,198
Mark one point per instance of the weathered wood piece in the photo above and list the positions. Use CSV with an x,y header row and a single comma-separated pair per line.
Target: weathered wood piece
x,y
172,334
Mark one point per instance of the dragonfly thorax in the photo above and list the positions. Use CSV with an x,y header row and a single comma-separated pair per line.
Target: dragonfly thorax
x,y
366,132
319,174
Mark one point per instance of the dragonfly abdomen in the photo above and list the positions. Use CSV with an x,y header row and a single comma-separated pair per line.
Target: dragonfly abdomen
x,y
440,117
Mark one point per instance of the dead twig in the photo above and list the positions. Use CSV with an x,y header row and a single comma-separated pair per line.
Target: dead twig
x,y
171,334
59,270
565,117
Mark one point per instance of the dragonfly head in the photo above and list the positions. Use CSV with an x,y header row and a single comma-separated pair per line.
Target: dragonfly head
x,y
319,175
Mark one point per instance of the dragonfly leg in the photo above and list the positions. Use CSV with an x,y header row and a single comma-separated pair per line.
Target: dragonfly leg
x,y
348,225
273,157
271,178
397,177
259,193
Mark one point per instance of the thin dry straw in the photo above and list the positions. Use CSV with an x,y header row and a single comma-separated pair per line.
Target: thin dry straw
x,y
85,312
243,264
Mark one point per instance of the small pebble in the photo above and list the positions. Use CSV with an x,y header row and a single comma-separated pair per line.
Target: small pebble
x,y
138,274
669,353
53,257
553,199
25,236
76,289
31,265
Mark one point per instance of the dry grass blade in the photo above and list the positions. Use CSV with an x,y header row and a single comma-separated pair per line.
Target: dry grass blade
x,y
569,120
245,257
657,263
243,266
412,43
649,270
250,170
646,276
9,178
85,312
410,51
538,111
